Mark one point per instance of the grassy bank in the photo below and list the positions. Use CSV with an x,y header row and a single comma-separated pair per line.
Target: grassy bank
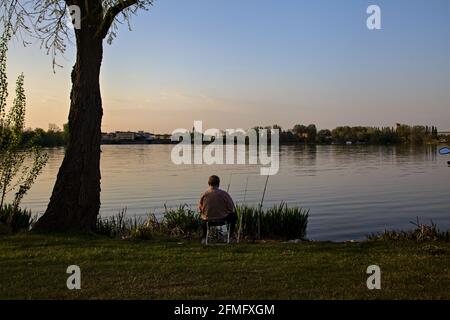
x,y
34,266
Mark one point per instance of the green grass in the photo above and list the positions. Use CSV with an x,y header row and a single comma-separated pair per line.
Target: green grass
x,y
34,267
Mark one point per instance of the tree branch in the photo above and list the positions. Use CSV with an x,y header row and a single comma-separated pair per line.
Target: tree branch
x,y
111,15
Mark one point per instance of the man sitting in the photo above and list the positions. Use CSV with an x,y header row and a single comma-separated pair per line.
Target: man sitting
x,y
216,204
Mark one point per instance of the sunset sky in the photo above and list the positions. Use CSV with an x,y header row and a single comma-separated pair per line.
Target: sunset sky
x,y
240,63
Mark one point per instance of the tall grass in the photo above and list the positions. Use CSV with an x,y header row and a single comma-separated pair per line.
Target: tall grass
x,y
15,220
181,222
278,222
116,226
421,233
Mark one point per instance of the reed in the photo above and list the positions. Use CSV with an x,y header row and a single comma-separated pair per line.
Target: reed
x,y
116,226
278,222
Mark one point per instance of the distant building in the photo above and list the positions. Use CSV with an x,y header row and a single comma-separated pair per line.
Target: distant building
x,y
163,137
128,136
140,137
107,137
147,136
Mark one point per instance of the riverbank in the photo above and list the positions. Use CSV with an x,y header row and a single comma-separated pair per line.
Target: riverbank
x,y
34,267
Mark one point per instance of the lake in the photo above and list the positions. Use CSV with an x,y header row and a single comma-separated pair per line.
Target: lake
x,y
351,191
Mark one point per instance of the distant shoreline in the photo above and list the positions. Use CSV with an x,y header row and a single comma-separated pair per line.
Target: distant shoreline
x,y
299,135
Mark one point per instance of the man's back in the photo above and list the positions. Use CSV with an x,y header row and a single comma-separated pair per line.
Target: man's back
x,y
215,204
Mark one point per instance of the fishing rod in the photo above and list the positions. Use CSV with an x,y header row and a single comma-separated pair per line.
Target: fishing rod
x,y
229,182
242,215
228,190
264,193
260,208
245,192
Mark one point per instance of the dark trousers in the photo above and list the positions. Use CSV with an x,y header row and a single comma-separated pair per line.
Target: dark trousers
x,y
231,219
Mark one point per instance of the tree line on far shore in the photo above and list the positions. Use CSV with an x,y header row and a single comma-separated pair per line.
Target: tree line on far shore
x,y
299,134
401,134
50,138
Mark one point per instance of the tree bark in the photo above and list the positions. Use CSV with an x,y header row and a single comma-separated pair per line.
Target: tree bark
x,y
75,201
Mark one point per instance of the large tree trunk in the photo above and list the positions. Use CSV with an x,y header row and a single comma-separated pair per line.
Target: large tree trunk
x,y
75,201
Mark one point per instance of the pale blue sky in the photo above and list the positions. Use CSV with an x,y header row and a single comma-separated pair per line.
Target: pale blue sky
x,y
240,63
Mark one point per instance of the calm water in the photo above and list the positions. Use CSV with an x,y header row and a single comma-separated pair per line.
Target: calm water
x,y
350,190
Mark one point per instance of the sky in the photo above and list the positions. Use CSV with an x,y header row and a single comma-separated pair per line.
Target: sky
x,y
241,63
